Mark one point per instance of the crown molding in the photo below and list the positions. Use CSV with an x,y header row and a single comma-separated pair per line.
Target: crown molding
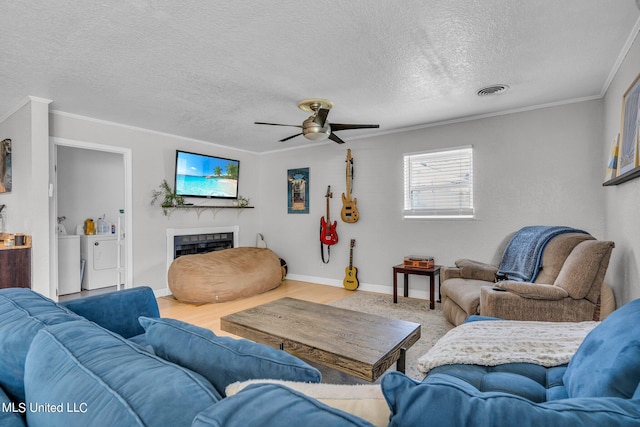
x,y
22,103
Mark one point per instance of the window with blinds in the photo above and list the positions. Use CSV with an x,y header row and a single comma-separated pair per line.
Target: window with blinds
x,y
439,184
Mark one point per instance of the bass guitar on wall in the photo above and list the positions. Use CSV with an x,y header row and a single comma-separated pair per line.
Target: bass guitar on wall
x,y
328,234
349,212
350,281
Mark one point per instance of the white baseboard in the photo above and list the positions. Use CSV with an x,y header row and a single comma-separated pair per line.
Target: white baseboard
x,y
382,289
164,292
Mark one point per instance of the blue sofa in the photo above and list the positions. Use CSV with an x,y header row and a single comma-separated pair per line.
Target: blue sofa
x,y
599,387
111,360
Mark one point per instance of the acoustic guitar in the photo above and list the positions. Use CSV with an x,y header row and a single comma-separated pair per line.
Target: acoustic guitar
x,y
328,234
350,281
349,212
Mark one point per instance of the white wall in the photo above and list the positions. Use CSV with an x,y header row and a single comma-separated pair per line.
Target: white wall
x,y
28,202
622,201
539,167
153,156
90,185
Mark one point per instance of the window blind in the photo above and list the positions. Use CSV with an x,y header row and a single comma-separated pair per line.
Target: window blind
x,y
439,184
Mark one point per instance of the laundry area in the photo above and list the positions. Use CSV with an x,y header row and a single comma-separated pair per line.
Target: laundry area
x,y
90,230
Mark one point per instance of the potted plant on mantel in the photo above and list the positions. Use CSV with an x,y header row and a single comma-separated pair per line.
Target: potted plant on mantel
x,y
169,197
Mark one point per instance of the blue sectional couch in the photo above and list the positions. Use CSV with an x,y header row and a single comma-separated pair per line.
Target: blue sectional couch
x,y
599,387
93,362
111,360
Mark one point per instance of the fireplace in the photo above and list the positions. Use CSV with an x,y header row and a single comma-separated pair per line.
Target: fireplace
x,y
185,241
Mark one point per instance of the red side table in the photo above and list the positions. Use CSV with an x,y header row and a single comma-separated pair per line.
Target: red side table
x,y
431,272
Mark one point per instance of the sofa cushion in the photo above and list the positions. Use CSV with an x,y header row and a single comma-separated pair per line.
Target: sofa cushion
x,y
272,405
531,381
532,290
556,253
109,309
10,412
22,314
108,380
223,360
465,293
607,363
470,269
442,400
585,265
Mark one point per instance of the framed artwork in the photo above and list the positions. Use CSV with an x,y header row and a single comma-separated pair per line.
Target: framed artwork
x,y
612,165
6,180
630,124
298,191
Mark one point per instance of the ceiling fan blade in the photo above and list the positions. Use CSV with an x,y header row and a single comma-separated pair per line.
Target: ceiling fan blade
x,y
338,126
321,117
290,137
334,137
277,124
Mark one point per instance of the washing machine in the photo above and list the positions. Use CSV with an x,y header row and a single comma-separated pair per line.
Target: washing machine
x,y
100,255
68,264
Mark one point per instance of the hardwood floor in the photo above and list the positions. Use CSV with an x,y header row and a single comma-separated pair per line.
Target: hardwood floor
x,y
208,315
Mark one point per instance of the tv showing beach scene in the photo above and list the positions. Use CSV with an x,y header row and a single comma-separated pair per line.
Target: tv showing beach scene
x,y
200,175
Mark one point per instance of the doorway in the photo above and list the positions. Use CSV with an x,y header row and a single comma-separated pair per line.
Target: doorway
x,y
91,181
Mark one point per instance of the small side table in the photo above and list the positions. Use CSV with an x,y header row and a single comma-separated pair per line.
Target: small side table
x,y
431,272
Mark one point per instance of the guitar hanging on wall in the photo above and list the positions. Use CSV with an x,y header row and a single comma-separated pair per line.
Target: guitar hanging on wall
x,y
349,212
350,281
328,234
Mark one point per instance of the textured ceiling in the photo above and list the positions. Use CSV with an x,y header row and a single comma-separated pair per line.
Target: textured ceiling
x,y
208,70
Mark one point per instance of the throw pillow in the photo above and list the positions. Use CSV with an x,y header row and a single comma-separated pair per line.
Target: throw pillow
x,y
223,360
362,400
532,290
97,378
606,363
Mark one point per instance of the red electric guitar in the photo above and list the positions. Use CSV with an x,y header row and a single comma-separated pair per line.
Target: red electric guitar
x,y
328,235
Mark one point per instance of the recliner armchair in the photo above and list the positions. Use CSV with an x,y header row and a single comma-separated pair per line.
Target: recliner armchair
x,y
569,287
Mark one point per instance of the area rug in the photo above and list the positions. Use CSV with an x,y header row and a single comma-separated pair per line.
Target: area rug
x,y
433,322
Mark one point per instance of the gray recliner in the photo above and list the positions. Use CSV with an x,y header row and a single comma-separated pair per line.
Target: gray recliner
x,y
569,286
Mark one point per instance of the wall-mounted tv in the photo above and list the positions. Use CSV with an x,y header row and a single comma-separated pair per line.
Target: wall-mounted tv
x,y
200,175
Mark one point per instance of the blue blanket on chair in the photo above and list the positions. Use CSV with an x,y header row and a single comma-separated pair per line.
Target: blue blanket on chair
x,y
522,257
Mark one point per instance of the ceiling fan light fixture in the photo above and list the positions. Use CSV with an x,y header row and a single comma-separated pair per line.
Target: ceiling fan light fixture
x,y
313,131
319,136
492,90
316,127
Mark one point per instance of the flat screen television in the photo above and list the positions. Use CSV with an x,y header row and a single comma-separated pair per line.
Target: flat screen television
x,y
200,175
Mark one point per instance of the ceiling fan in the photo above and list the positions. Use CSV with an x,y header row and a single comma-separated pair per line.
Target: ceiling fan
x,y
316,127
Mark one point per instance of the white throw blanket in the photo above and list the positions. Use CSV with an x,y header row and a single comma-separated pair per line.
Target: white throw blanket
x,y
495,342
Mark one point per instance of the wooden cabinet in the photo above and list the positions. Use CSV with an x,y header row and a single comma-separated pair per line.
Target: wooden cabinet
x,y
15,267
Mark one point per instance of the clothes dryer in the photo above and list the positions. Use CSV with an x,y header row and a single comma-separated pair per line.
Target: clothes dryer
x,y
100,253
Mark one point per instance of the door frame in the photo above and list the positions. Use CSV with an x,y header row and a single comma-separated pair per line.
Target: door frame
x,y
54,143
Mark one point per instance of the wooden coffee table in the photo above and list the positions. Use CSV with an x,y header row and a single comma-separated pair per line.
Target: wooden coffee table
x,y
358,344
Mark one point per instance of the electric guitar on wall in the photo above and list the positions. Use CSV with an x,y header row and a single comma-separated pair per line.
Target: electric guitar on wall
x,y
350,281
328,234
349,212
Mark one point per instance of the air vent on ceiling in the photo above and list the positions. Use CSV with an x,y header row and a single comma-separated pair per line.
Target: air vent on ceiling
x,y
492,90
